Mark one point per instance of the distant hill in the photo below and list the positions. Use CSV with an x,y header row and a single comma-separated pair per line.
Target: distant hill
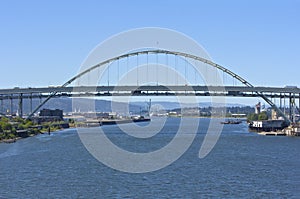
x,y
83,104
175,105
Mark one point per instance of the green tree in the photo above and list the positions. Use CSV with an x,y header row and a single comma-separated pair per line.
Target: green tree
x,y
28,124
252,117
4,119
18,119
263,116
21,126
6,126
11,136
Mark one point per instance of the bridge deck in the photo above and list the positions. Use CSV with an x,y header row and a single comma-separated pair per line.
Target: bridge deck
x,y
87,89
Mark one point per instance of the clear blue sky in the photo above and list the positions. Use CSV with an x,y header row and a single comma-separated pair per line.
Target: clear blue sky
x,y
44,42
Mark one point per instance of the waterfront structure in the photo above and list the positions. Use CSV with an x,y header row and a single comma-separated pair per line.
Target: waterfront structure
x,y
51,113
48,115
293,130
257,108
268,125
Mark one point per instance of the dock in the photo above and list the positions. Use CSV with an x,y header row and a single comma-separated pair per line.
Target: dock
x,y
100,122
272,133
292,130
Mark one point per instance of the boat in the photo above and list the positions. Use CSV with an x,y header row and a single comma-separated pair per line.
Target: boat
x,y
267,125
137,118
232,122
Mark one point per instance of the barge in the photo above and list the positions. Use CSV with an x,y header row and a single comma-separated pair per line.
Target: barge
x,y
267,125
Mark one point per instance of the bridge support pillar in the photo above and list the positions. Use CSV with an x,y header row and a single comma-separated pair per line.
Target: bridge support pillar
x,y
290,107
11,105
30,102
299,101
2,106
284,106
280,102
20,107
294,107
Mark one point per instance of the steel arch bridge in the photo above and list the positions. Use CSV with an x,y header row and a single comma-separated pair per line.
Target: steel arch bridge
x,y
166,52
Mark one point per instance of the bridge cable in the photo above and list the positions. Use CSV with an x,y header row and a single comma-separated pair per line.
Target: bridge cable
x,y
240,79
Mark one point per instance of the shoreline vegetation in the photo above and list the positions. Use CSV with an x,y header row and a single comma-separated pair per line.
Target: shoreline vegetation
x,y
15,128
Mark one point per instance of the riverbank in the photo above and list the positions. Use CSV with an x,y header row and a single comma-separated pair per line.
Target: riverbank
x,y
12,140
15,128
15,133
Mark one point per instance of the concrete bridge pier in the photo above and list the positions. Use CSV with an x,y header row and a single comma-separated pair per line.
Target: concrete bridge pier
x,y
20,107
290,107
299,101
284,106
280,102
11,104
293,106
2,106
30,102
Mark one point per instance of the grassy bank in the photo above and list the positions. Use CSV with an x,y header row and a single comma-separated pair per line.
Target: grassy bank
x,y
14,128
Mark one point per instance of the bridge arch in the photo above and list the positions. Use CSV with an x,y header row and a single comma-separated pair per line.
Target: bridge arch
x,y
160,51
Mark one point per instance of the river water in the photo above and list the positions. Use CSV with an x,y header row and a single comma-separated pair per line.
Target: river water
x,y
241,165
